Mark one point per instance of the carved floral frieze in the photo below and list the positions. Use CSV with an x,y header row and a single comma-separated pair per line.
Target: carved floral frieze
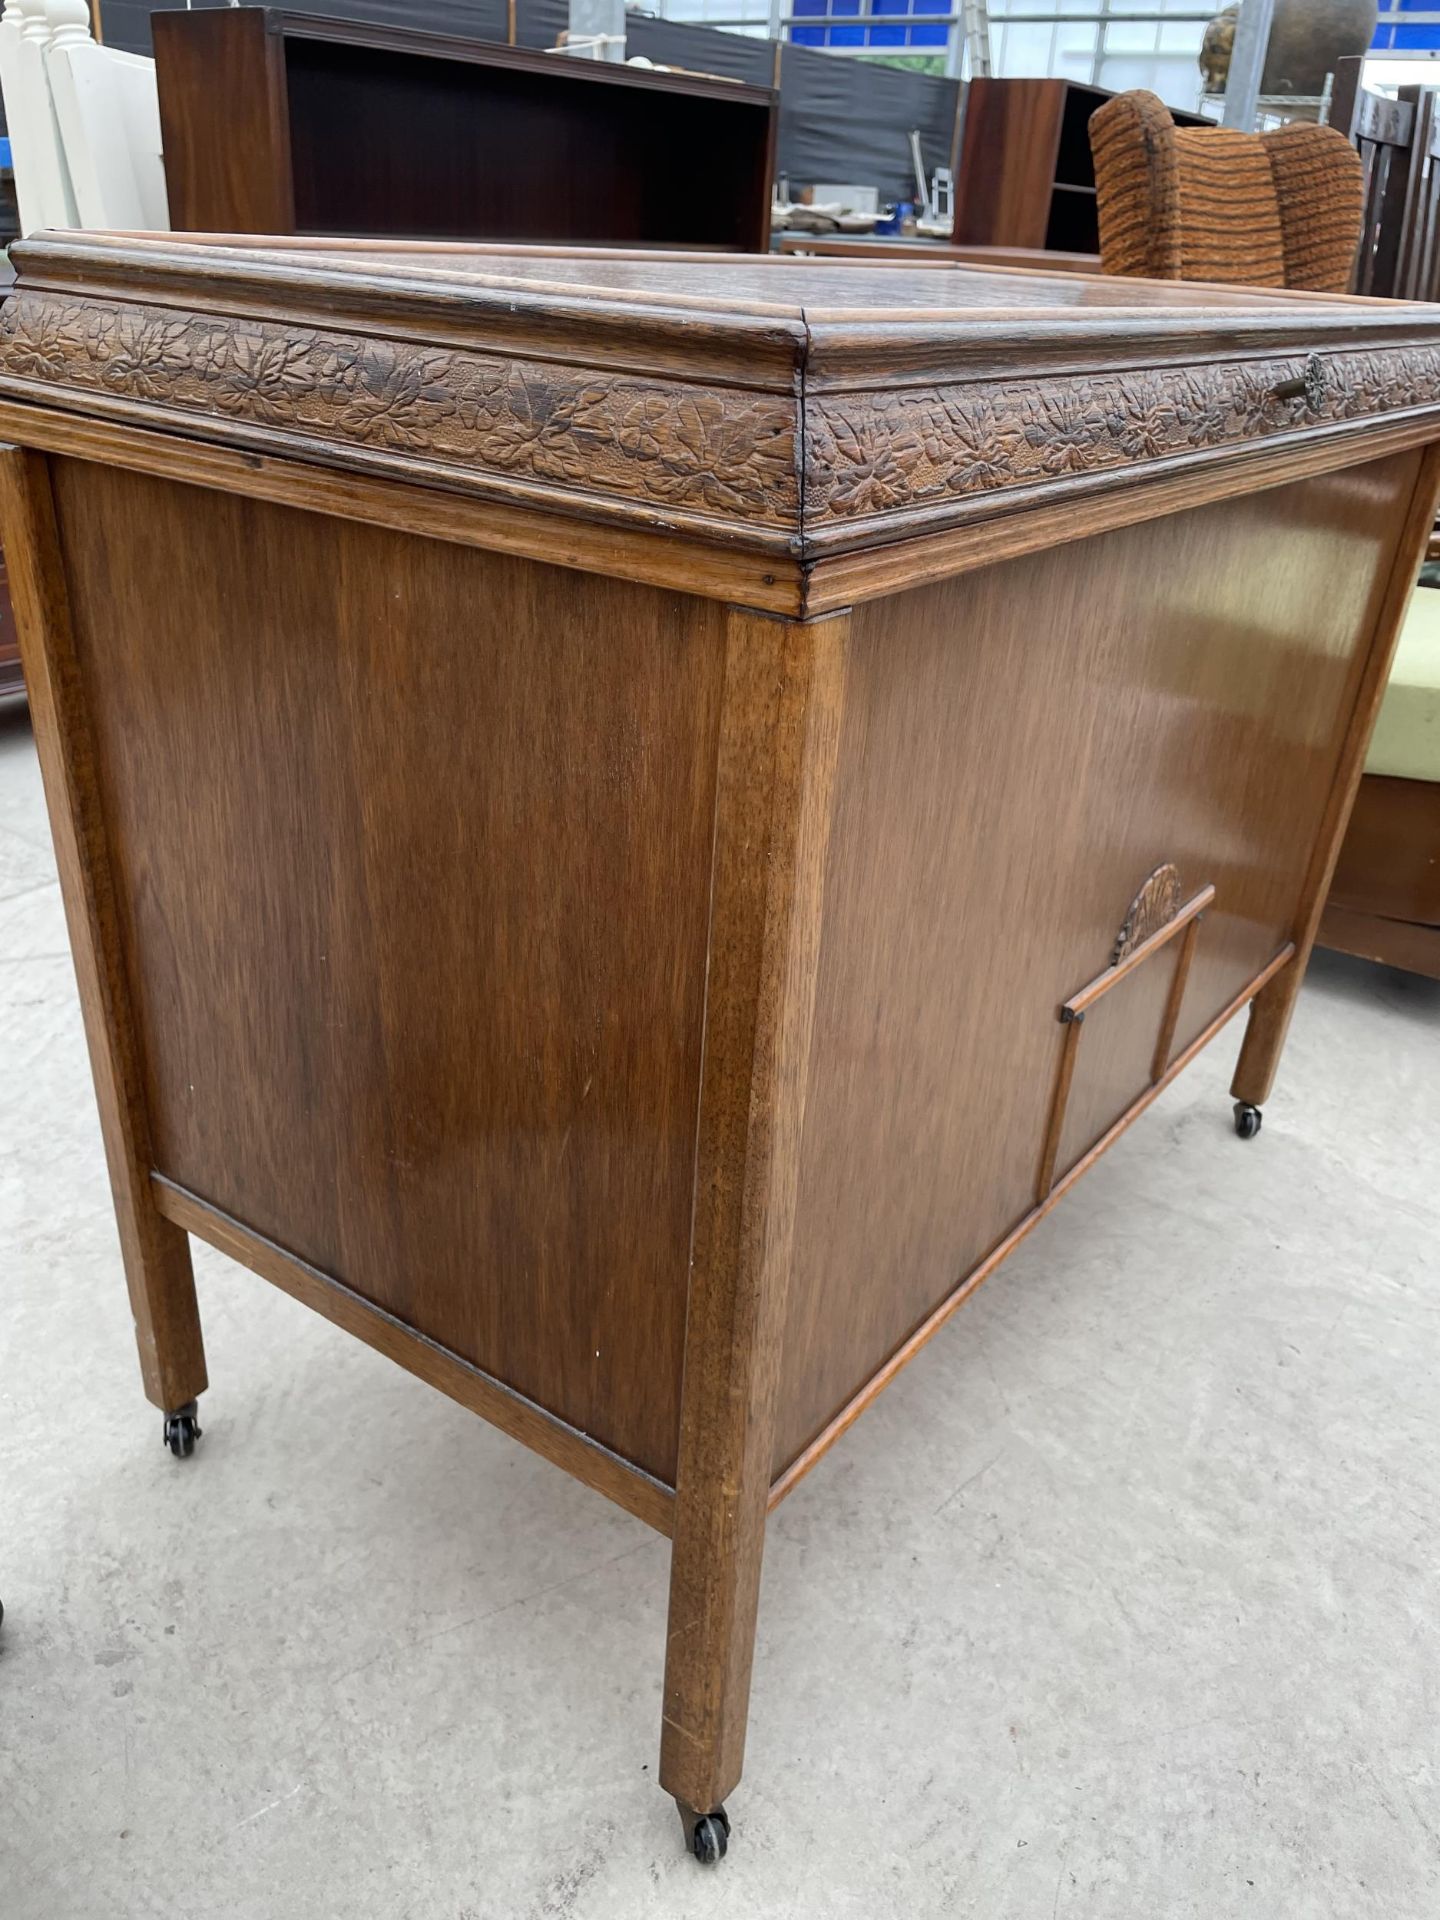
x,y
876,453
719,452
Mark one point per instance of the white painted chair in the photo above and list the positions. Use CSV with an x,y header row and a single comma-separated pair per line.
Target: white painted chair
x,y
10,92
108,112
84,122
42,183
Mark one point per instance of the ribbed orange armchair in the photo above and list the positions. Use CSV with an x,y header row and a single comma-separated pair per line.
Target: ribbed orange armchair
x,y
1279,209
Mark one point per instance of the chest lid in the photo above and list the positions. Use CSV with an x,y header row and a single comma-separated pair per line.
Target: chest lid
x,y
781,405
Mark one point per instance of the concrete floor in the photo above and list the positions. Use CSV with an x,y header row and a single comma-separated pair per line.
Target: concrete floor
x,y
1123,1602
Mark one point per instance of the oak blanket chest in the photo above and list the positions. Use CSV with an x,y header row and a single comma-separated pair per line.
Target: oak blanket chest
x,y
630,823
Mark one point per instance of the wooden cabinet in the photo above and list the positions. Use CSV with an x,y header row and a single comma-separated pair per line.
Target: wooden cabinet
x,y
1026,178
631,823
1384,902
285,123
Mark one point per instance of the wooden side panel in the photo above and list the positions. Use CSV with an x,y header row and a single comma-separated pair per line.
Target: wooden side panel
x,y
224,122
1007,162
1271,1011
413,856
1384,901
1021,748
1389,860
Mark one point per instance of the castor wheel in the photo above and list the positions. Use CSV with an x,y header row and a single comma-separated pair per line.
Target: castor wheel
x,y
706,1834
1247,1120
182,1430
711,1837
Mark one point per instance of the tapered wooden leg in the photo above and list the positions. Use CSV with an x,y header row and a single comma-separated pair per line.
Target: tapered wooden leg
x,y
714,1596
156,1253
779,729
1272,1007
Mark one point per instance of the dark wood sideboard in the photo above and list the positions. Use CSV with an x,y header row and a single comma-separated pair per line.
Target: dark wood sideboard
x,y
1025,177
289,123
839,784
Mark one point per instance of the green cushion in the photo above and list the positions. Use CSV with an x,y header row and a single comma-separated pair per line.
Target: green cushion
x,y
1406,741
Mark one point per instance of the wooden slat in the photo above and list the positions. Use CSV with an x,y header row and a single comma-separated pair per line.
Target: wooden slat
x,y
606,1472
787,1481
1081,1002
1177,996
1390,943
1389,123
664,559
1069,1050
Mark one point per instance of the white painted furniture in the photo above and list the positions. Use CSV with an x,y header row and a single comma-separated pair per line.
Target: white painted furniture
x,y
108,112
42,181
84,122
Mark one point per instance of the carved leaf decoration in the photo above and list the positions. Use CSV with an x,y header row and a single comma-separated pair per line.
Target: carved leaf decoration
x,y
389,399
1154,906
257,377
713,454
725,452
667,443
986,436
967,447
866,463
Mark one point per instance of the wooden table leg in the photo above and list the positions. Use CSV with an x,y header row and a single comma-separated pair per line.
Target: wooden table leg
x,y
1272,1007
156,1253
778,734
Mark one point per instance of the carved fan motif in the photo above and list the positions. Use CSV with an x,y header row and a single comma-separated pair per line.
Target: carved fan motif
x,y
1157,903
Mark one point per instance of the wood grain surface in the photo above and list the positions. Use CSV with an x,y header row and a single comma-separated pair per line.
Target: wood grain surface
x,y
1270,1014
796,410
784,696
224,120
1389,861
457,138
1374,936
12,677
1021,748
155,1253
576,1453
937,253
1008,153
412,854
841,1421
